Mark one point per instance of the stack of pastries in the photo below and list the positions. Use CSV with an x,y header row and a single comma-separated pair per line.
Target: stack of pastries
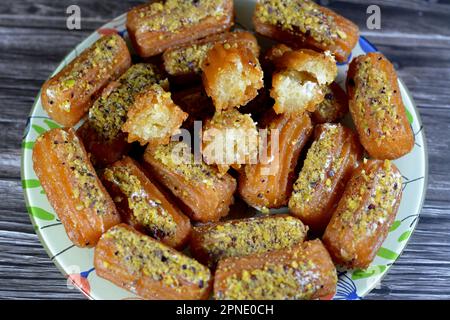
x,y
122,184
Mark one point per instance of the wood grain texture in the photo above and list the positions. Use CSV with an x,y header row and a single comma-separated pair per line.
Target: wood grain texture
x,y
415,35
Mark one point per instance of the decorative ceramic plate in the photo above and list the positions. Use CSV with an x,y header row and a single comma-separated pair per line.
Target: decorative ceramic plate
x,y
77,264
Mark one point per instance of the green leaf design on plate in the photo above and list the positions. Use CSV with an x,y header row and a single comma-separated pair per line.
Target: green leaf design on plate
x,y
409,116
38,129
369,272
27,145
30,183
404,236
41,213
395,225
51,124
42,191
387,254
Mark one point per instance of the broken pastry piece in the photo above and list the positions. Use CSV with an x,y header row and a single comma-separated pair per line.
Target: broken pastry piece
x,y
364,214
302,272
149,268
334,105
101,133
236,238
232,75
204,194
68,95
184,63
230,138
142,205
305,24
268,184
321,66
295,92
159,25
329,164
72,187
153,118
297,86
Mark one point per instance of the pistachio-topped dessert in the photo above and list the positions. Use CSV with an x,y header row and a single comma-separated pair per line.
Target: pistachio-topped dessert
x,y
329,164
374,87
305,24
304,271
382,199
205,193
159,25
322,161
235,238
153,269
364,214
376,107
72,187
109,112
145,211
85,184
174,15
302,16
70,93
188,59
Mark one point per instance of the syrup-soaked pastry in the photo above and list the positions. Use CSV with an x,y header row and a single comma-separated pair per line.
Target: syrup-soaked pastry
x,y
72,187
305,24
297,85
230,138
153,118
231,75
69,94
211,242
364,214
184,63
205,194
160,25
102,134
196,103
377,108
149,268
268,184
143,205
329,164
334,105
304,271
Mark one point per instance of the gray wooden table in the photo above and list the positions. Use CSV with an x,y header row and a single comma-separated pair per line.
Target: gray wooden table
x,y
415,35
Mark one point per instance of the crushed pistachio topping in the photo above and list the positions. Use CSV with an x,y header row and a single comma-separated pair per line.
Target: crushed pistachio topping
x,y
177,157
144,256
147,212
384,186
85,186
109,113
257,235
297,278
100,57
321,163
174,15
374,92
300,16
188,59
